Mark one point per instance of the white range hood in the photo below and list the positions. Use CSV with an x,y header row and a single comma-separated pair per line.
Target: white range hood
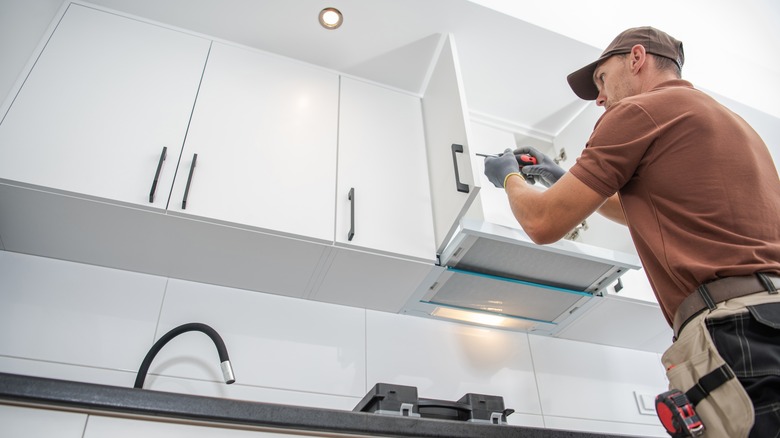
x,y
496,276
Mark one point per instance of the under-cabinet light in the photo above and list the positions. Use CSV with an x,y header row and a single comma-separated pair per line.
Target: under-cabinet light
x,y
481,318
331,18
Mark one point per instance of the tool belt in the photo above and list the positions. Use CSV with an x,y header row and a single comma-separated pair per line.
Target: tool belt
x,y
676,410
709,294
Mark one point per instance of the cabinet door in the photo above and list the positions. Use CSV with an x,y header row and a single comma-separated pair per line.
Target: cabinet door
x,y
264,131
453,186
382,163
106,95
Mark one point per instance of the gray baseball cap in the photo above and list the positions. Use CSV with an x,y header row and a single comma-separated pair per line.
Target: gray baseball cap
x,y
653,40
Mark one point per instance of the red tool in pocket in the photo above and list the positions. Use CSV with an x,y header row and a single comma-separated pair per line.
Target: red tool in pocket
x,y
675,408
677,414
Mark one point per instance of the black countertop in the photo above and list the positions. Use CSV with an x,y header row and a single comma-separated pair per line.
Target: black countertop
x,y
107,400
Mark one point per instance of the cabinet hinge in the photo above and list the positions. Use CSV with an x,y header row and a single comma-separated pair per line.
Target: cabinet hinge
x,y
560,157
575,233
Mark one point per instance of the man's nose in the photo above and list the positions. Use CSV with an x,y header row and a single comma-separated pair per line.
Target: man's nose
x,y
601,99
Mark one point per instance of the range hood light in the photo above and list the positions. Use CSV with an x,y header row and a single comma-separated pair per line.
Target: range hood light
x,y
472,317
331,18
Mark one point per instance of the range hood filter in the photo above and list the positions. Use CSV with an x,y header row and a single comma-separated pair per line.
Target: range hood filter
x,y
541,265
514,298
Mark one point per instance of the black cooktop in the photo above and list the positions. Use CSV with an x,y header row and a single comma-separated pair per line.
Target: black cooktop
x,y
390,399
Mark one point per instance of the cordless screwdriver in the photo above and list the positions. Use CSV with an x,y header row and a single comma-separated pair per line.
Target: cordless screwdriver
x,y
522,159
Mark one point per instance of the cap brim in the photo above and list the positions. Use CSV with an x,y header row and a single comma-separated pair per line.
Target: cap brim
x,y
581,82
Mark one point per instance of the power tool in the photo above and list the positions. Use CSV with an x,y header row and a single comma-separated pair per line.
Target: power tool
x,y
522,159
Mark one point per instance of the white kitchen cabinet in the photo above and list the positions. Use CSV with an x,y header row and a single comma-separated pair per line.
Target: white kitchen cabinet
x,y
454,186
105,86
384,228
369,280
22,422
264,132
105,97
384,201
261,199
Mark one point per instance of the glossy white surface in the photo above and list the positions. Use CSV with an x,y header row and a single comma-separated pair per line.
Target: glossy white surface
x,y
445,361
95,113
382,157
636,286
586,381
274,342
299,352
76,314
445,114
265,131
63,371
19,422
369,281
622,322
242,391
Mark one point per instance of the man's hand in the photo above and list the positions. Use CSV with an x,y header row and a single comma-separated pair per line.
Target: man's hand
x,y
546,171
498,168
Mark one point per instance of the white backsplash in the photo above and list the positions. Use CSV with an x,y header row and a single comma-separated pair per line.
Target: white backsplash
x,y
79,322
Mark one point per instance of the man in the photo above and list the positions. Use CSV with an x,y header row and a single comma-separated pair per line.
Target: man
x,y
699,192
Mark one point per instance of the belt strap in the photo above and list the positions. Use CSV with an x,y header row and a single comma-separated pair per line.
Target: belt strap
x,y
709,383
708,295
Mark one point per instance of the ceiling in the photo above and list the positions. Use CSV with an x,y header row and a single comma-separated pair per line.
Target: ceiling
x,y
513,71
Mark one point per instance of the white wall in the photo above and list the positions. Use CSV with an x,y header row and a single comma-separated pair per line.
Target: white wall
x,y
85,323
729,45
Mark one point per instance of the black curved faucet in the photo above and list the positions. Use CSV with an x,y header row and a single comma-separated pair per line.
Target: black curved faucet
x,y
227,369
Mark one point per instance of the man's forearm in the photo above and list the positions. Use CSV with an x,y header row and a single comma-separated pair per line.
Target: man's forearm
x,y
546,216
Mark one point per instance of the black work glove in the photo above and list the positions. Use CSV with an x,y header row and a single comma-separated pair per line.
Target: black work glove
x,y
545,172
498,168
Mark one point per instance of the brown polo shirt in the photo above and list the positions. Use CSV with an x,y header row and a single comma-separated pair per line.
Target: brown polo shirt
x,y
699,190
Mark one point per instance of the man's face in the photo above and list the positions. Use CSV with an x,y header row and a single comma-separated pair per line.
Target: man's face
x,y
613,79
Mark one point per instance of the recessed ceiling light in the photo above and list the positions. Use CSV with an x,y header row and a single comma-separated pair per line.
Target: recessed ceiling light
x,y
331,18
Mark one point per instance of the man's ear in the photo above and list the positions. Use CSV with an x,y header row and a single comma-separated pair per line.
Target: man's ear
x,y
638,58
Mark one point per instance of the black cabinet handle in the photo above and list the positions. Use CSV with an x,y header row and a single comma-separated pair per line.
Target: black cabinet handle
x,y
189,180
457,148
351,214
163,154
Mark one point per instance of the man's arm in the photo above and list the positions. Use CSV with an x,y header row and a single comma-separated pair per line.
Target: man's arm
x,y
547,216
613,210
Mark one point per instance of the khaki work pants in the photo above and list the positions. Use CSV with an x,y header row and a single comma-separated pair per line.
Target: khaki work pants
x,y
728,411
